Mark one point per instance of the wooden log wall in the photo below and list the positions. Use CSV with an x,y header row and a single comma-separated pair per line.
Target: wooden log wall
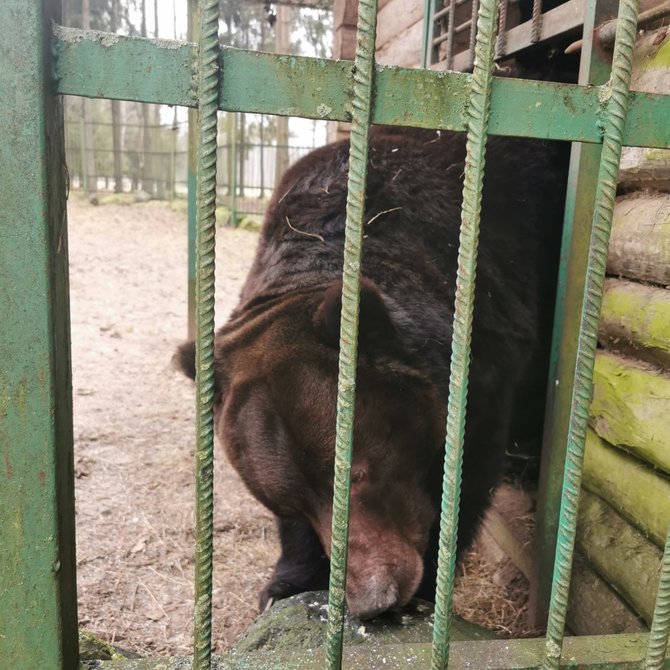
x,y
624,513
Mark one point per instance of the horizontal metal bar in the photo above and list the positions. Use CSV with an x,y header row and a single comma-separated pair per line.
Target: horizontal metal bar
x,y
100,65
607,652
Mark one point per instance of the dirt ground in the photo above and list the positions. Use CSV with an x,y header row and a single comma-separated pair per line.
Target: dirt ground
x,y
134,444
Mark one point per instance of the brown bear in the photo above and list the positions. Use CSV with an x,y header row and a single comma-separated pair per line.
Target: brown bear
x,y
276,358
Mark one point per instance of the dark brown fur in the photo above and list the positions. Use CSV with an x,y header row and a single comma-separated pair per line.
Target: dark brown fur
x,y
276,358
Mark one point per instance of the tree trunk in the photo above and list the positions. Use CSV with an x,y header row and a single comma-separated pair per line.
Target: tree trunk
x,y
157,162
282,45
243,151
88,151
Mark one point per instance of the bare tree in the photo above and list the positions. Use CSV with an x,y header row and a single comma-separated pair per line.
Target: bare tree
x,y
88,150
282,46
147,183
116,115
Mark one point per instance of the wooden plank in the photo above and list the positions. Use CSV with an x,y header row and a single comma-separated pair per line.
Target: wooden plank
x,y
631,406
640,241
395,18
620,553
636,491
644,168
594,608
635,319
500,531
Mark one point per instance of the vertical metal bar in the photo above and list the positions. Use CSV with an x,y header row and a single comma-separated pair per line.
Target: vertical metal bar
x,y
427,50
208,96
501,40
578,220
616,91
38,617
353,245
536,25
478,116
660,624
193,31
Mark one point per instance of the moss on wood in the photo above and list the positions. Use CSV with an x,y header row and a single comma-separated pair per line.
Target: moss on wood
x,y
619,553
638,492
594,608
631,408
640,242
636,318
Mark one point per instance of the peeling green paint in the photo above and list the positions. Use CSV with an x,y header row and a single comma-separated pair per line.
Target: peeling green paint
x,y
137,69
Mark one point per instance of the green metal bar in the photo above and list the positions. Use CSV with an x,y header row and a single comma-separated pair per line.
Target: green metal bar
x,y
38,617
351,277
208,89
580,204
660,624
617,89
607,652
478,117
428,33
419,98
193,30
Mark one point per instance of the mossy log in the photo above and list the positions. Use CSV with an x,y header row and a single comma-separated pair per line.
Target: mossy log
x,y
640,242
594,608
635,319
631,408
638,492
620,553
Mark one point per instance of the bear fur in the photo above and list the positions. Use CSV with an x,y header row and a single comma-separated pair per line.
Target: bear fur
x,y
276,359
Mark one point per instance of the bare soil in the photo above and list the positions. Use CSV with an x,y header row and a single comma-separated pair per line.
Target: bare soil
x,y
134,445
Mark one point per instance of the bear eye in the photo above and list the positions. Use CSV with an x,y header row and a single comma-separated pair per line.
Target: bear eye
x,y
358,475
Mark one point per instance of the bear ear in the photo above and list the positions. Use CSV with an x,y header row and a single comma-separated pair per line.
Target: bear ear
x,y
375,328
184,361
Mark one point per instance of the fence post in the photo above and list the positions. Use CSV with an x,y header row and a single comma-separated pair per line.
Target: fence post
x,y
38,617
582,182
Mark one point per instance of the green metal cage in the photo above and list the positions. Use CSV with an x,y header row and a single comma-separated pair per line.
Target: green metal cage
x,y
42,60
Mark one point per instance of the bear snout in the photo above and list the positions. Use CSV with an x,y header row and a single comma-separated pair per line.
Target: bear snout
x,y
382,579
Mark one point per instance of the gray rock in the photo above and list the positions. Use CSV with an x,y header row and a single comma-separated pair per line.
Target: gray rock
x,y
300,623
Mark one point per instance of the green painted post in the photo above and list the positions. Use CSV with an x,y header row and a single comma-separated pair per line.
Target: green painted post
x,y
38,617
193,32
580,204
427,49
